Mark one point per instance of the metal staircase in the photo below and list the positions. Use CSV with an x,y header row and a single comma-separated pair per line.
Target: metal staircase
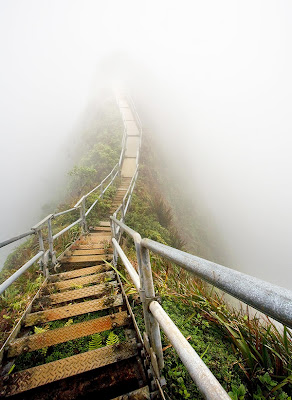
x,y
86,293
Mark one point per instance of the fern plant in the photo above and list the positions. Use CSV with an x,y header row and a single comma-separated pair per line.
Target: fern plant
x,y
112,339
69,322
95,342
38,330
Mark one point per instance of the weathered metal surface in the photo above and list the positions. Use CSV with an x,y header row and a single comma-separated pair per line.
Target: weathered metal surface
x,y
84,280
139,394
104,246
83,259
270,299
69,295
129,267
104,223
87,252
15,238
101,229
78,272
61,335
200,373
73,310
61,369
100,239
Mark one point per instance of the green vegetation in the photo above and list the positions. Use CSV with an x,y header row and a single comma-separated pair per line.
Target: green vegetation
x,y
70,348
250,359
99,151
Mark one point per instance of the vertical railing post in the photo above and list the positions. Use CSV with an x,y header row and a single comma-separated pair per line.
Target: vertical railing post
x,y
123,211
147,294
101,190
83,216
42,248
113,229
51,242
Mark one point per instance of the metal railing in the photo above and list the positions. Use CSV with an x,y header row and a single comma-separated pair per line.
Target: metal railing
x,y
270,299
45,257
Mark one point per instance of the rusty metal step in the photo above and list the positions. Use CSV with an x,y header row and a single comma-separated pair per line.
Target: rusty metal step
x,y
74,283
101,229
61,369
88,252
78,272
100,240
61,335
91,246
70,295
104,223
139,394
72,310
83,259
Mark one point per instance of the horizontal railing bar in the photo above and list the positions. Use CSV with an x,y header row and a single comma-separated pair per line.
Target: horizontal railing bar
x,y
19,272
129,267
91,207
66,211
42,221
206,382
130,231
15,238
66,229
98,186
270,299
105,189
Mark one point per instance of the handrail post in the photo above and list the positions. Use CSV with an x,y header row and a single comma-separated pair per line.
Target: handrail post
x,y
113,229
83,216
123,211
43,263
101,190
51,242
147,294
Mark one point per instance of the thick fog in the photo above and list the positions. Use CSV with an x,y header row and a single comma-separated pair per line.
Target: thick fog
x,y
212,80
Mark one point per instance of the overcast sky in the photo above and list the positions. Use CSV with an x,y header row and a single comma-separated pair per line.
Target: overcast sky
x,y
214,78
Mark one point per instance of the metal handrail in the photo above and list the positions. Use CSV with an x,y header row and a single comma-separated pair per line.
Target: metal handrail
x,y
15,238
264,296
153,312
20,271
37,229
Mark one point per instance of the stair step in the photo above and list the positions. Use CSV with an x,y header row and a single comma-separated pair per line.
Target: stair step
x,y
104,223
89,258
87,252
66,367
101,229
90,246
61,335
72,310
78,272
139,394
102,241
84,280
70,295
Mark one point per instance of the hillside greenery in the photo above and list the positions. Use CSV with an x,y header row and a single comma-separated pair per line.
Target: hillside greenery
x,y
250,359
101,146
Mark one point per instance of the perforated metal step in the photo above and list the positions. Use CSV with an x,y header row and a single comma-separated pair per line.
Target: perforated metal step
x,y
73,310
74,365
61,335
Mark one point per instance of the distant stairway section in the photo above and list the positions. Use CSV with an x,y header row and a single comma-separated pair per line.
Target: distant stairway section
x,y
133,137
